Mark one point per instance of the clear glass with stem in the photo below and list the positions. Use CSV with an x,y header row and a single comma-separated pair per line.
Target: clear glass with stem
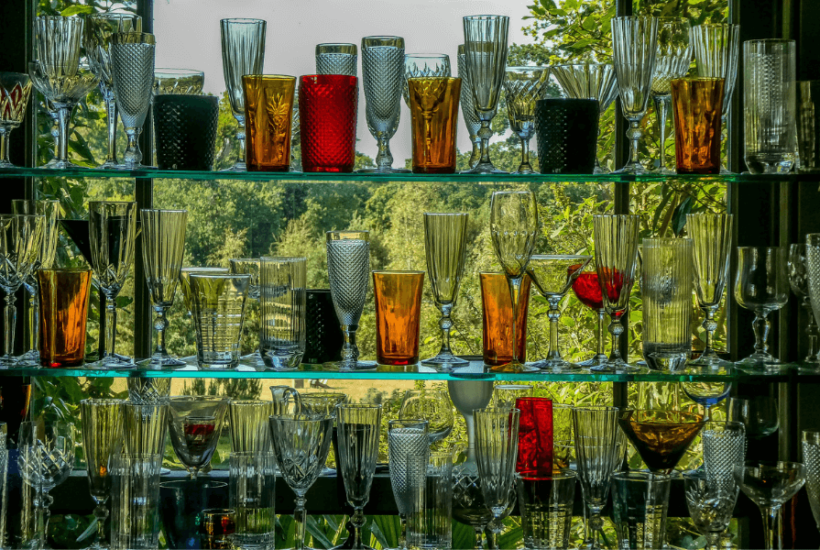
x,y
523,86
770,485
711,236
348,267
243,52
553,276
513,228
98,30
102,425
797,266
762,286
333,58
634,47
383,81
616,253
20,243
485,49
112,227
250,266
810,445
431,405
359,431
408,451
672,61
15,91
711,505
300,443
45,459
418,65
195,423
716,48
163,246
468,111
445,239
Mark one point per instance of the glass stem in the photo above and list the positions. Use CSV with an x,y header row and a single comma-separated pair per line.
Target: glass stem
x,y
300,517
63,116
771,527
485,133
161,326
761,330
811,331
110,326
445,323
634,135
616,328
5,130
111,110
601,339
101,514
554,315
709,325
475,156
10,319
358,522
525,156
662,109
34,320
384,159
515,295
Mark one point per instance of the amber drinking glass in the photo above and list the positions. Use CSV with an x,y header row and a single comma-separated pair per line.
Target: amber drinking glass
x,y
268,110
697,104
63,314
434,112
398,316
497,319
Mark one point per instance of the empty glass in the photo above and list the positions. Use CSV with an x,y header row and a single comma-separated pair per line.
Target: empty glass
x,y
336,59
761,285
639,502
417,65
799,283
196,423
711,505
811,460
757,414
15,90
523,86
252,488
430,405
546,509
243,52
634,47
468,111
282,287
219,313
408,451
135,503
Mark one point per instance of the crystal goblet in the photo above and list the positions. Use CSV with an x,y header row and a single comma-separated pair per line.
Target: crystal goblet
x,y
431,405
195,424
523,86
15,90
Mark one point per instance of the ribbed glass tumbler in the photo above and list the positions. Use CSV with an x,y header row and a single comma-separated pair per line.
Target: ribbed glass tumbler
x,y
282,296
327,119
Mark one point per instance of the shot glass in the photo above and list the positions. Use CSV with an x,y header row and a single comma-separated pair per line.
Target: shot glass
x,y
219,312
697,104
268,112
327,122
64,296
434,119
398,316
496,305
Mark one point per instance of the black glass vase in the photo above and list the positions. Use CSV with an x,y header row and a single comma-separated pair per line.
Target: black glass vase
x,y
567,134
185,130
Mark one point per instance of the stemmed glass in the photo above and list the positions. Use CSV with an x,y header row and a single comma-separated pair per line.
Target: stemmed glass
x,y
468,111
811,461
634,45
430,405
112,227
711,505
46,459
672,61
195,423
408,451
359,430
102,425
553,276
589,81
163,245
15,90
348,267
301,444
383,80
132,68
445,239
523,86
758,415
799,283
20,243
712,240
770,485
250,266
513,228
243,52
588,291
761,286
485,49
98,30
616,253
417,65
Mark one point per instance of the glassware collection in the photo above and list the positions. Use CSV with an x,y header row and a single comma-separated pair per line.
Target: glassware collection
x,y
651,59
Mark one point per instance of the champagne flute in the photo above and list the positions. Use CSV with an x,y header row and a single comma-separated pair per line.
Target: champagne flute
x,y
513,227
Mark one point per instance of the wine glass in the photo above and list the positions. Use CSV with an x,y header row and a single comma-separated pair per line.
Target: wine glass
x,y
418,65
505,395
15,90
195,424
445,238
757,414
485,50
250,266
553,276
588,291
112,228
711,505
672,61
408,451
102,425
616,253
431,405
660,437
761,285
513,227
523,86
799,283
46,459
634,46
770,485
811,460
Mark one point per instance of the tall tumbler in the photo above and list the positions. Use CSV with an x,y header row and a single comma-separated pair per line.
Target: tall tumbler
x,y
667,302
252,497
434,112
64,294
268,116
323,336
566,131
697,104
535,437
338,59
546,509
496,306
327,122
135,501
185,130
282,284
640,501
431,524
398,316
769,97
219,313
808,125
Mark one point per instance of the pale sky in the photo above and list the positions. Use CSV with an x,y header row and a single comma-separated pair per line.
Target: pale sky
x,y
187,33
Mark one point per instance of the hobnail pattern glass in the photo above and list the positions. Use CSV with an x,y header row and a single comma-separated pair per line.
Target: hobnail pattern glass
x,y
383,80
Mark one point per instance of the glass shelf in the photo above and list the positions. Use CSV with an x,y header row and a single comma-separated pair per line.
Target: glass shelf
x,y
334,177
476,370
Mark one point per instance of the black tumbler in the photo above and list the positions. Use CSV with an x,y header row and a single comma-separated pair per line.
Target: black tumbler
x,y
567,134
185,129
324,338
181,503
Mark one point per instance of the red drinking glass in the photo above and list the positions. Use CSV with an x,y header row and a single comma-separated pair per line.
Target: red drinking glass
x,y
534,436
327,117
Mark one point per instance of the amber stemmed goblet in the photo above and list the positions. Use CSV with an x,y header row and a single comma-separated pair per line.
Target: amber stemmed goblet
x,y
660,437
195,424
523,86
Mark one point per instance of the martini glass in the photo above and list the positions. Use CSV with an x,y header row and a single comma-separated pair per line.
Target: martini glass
x,y
196,423
660,437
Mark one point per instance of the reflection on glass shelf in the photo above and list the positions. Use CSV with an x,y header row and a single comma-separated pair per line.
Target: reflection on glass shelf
x,y
474,370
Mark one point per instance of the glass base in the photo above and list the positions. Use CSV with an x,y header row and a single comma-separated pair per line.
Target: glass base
x,y
553,365
346,366
387,170
445,361
616,367
113,362
594,361
238,167
484,168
